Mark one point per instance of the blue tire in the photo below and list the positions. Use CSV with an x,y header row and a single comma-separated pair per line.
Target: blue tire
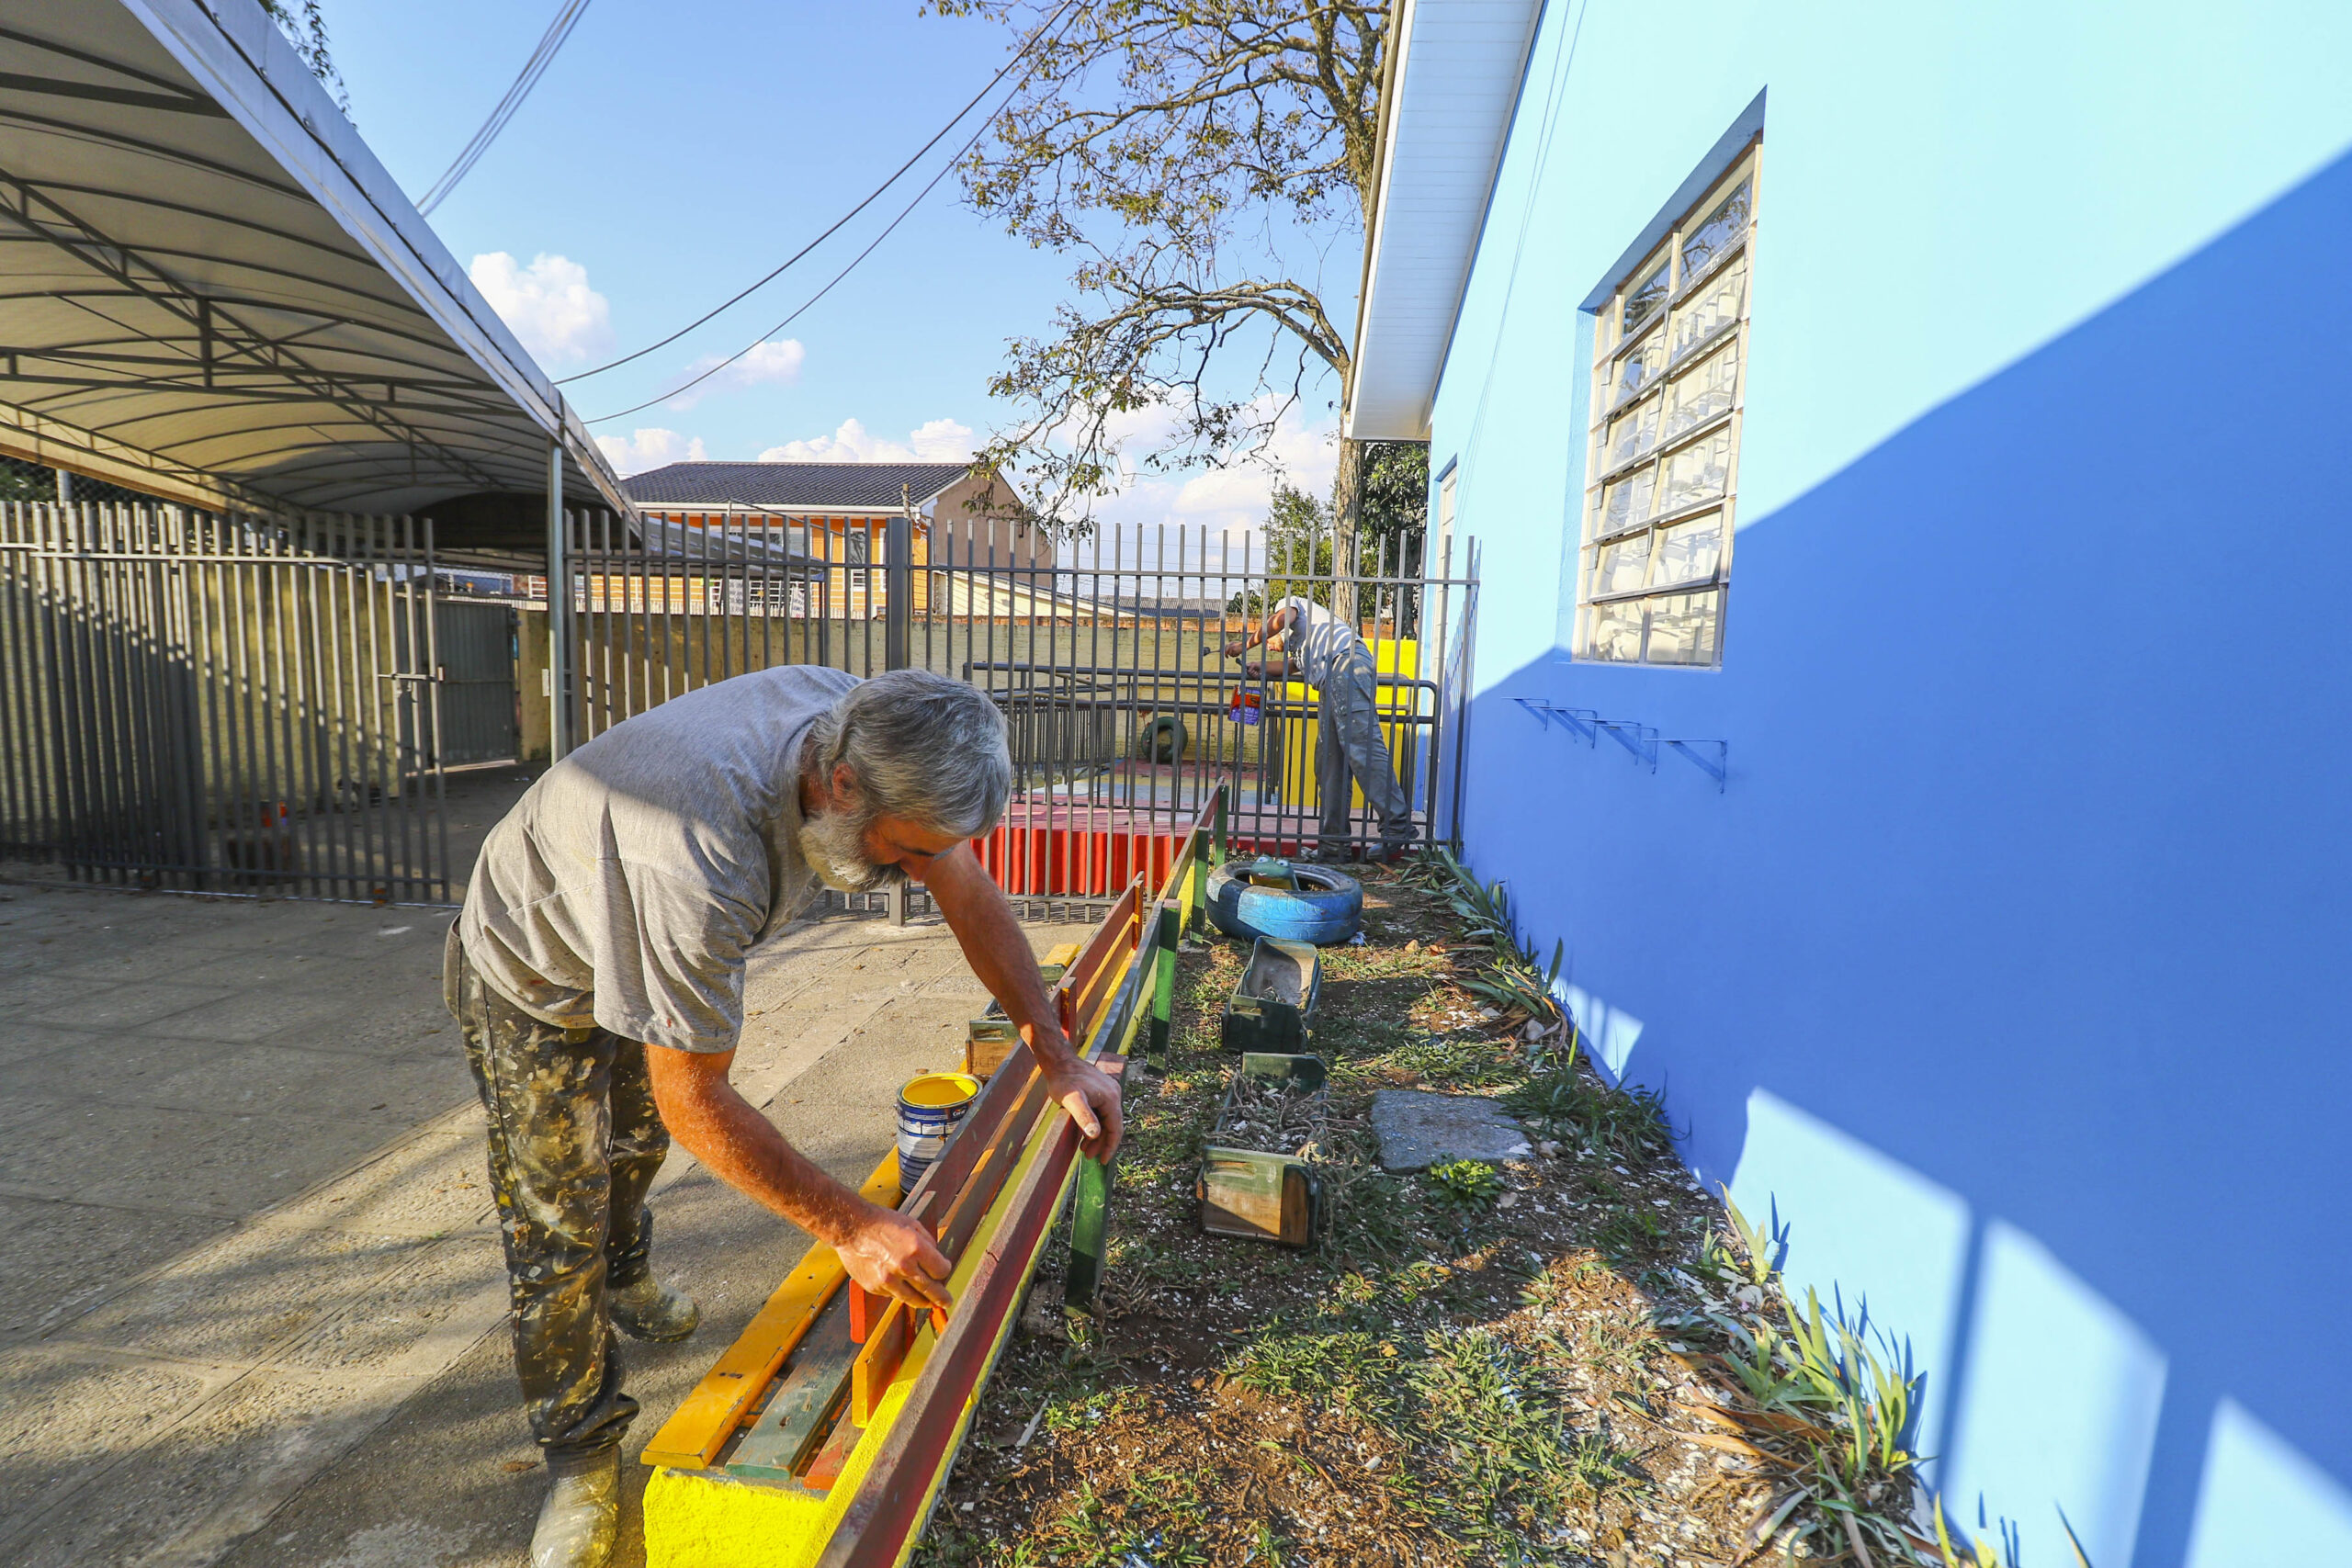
x,y
1326,907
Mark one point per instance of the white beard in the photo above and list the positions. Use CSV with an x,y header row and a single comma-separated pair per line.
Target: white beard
x,y
834,846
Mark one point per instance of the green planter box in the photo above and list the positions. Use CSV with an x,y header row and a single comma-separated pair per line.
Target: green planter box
x,y
1252,1192
1272,1005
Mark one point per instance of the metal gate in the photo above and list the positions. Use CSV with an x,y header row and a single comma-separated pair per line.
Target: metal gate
x,y
220,703
474,671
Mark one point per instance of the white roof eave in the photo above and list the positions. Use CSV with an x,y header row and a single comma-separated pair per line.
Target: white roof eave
x,y
1458,71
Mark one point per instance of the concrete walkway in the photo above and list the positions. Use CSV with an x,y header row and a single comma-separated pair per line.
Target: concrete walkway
x,y
250,1285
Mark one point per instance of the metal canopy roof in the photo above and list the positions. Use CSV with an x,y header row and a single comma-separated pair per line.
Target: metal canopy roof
x,y
211,289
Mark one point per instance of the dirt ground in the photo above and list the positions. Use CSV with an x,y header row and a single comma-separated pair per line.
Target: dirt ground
x,y
1479,1372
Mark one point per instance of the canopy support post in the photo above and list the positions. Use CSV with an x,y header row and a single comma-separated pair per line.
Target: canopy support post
x,y
559,737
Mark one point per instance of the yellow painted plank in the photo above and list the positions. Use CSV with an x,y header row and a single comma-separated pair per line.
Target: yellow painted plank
x,y
702,1422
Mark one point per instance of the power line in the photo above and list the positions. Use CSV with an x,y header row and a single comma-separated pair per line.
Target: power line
x,y
872,245
524,80
875,195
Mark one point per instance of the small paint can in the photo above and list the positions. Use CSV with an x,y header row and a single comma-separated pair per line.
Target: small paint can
x,y
929,1109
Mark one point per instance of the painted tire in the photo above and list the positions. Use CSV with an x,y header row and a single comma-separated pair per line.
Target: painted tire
x,y
1327,908
1162,739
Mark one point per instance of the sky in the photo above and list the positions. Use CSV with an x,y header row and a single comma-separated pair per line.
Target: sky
x,y
672,155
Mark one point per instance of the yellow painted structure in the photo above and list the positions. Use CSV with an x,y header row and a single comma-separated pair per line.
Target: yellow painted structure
x,y
1398,706
699,1517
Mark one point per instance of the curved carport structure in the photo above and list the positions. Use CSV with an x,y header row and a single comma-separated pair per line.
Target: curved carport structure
x,y
211,290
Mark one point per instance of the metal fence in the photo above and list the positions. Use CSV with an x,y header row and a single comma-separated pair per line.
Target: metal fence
x,y
1109,663
219,703
237,704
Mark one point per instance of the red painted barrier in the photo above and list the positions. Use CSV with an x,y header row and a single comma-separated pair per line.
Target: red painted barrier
x,y
1045,847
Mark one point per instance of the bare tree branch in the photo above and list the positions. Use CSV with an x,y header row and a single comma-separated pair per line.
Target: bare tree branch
x,y
1146,138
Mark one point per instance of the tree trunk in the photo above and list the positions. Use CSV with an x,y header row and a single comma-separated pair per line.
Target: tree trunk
x,y
1347,519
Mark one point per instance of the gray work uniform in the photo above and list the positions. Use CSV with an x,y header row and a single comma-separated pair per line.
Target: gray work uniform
x,y
1347,740
610,909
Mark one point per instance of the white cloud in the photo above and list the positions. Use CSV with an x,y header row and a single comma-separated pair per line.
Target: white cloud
x,y
649,449
777,361
1300,454
935,441
548,304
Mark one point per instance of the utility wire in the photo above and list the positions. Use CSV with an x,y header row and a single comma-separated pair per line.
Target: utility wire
x,y
1022,53
524,80
929,187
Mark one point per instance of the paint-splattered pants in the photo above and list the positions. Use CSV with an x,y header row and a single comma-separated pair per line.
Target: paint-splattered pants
x,y
574,1144
1348,742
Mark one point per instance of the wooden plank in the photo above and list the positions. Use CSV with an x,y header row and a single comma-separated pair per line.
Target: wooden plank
x,y
702,1422
1089,972
879,1361
988,1176
826,1468
789,1432
1123,926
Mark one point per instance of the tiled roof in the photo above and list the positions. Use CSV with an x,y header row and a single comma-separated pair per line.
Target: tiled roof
x,y
846,487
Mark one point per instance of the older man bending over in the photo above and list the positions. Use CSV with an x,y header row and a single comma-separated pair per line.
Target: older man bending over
x,y
597,976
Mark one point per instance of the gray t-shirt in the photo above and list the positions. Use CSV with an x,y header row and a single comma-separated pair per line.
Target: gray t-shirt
x,y
1320,642
626,886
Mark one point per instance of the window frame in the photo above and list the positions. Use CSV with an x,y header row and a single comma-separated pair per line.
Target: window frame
x,y
1611,347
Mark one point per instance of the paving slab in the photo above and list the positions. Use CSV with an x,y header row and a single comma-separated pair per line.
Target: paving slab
x,y
59,1261
1418,1129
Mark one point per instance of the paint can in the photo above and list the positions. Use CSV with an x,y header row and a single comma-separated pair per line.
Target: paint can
x,y
930,1106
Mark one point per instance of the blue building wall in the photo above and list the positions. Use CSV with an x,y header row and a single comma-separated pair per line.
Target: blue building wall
x,y
2009,967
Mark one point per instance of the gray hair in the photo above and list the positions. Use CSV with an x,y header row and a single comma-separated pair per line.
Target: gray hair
x,y
923,747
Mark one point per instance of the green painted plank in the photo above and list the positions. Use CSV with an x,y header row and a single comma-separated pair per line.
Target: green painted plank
x,y
789,1430
1088,1230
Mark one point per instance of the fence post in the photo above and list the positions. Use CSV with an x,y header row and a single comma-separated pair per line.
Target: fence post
x,y
1163,982
897,589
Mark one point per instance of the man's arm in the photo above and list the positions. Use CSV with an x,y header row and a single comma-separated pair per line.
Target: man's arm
x,y
1273,627
884,1250
994,944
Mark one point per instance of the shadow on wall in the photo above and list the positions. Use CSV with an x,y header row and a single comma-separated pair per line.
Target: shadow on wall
x,y
2007,965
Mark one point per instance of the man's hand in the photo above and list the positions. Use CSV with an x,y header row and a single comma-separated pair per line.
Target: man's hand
x,y
1092,1098
1235,647
894,1256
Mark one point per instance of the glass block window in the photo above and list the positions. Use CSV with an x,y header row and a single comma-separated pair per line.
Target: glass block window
x,y
1664,463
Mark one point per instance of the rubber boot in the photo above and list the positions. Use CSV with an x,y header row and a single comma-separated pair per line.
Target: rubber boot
x,y
581,1521
651,1310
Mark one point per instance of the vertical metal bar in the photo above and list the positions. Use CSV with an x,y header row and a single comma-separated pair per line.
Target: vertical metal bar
x,y
738,579
559,737
112,678
898,588
334,665
207,664
436,885
632,579
15,673
300,760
